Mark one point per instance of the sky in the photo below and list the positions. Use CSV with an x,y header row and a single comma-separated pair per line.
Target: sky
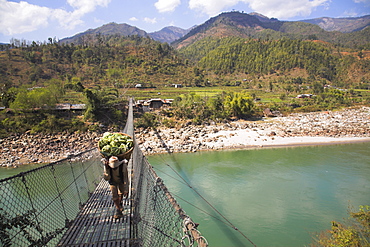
x,y
39,20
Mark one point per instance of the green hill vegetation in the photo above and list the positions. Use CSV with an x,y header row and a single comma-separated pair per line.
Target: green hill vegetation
x,y
222,78
35,77
256,58
237,24
355,231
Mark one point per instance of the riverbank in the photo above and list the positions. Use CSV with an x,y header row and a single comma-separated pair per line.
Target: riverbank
x,y
40,148
317,128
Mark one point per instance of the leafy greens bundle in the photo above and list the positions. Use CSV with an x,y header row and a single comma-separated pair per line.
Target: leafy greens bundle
x,y
114,144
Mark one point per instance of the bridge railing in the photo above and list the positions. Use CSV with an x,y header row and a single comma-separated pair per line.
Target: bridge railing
x,y
37,206
157,219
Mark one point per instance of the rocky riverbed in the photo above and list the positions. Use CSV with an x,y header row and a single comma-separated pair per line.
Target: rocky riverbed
x,y
346,125
40,148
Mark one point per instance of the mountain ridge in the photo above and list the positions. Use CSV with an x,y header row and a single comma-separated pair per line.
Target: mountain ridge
x,y
343,24
110,28
236,24
239,24
169,34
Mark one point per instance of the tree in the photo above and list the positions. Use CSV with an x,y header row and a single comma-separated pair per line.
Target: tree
x,y
100,103
238,104
8,97
216,106
356,233
271,86
360,54
56,88
317,87
35,98
76,85
148,120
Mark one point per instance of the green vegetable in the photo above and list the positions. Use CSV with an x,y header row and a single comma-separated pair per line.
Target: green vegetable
x,y
115,144
106,149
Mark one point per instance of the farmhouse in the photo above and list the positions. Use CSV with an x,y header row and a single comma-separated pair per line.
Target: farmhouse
x,y
67,106
301,96
152,104
177,85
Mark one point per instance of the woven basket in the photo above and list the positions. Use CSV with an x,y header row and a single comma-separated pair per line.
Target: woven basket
x,y
126,155
123,156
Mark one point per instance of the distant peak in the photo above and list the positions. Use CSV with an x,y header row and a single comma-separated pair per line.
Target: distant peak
x,y
110,23
262,17
258,14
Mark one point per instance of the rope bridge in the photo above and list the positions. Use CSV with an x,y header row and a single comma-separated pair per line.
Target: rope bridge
x,y
67,203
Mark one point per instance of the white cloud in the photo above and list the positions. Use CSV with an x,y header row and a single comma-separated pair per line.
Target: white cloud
x,y
167,5
151,21
350,12
99,21
211,7
16,18
271,8
22,17
82,7
285,8
67,20
89,5
133,19
361,1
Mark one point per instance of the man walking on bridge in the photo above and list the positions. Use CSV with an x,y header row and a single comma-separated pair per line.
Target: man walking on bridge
x,y
115,172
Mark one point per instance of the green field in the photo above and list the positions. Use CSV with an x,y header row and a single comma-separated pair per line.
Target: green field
x,y
171,92
262,96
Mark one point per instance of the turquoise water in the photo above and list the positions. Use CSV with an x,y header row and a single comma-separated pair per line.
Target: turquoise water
x,y
8,172
275,197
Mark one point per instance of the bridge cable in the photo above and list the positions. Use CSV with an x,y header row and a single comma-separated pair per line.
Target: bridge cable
x,y
178,180
200,209
231,224
218,212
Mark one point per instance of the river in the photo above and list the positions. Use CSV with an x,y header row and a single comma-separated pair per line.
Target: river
x,y
11,171
274,197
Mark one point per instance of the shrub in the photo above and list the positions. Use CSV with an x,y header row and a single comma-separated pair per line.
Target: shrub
x,y
355,233
147,120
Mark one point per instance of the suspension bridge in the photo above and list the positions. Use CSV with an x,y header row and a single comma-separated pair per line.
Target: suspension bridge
x,y
67,203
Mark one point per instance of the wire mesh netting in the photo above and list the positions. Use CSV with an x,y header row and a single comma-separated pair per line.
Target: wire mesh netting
x,y
37,206
156,217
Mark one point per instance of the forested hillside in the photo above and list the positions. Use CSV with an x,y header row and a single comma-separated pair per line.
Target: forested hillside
x,y
100,60
102,70
106,30
255,58
95,73
236,24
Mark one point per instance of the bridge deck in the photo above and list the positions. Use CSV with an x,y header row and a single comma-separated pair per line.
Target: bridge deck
x,y
95,225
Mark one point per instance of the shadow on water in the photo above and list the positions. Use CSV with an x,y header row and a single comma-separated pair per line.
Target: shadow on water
x,y
233,236
293,190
